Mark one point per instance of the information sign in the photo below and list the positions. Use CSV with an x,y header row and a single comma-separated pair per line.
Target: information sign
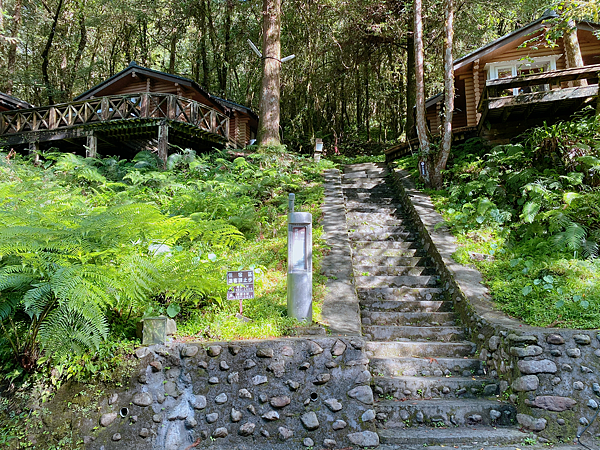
x,y
244,284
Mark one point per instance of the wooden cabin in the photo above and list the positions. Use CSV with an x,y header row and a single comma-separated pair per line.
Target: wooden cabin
x,y
514,83
243,122
10,103
136,109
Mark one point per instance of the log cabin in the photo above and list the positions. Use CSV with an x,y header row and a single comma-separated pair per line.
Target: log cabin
x,y
136,109
514,83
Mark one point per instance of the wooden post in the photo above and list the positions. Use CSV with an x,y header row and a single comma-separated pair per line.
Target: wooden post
x,y
172,107
104,108
91,150
163,143
52,118
477,90
213,121
144,105
34,149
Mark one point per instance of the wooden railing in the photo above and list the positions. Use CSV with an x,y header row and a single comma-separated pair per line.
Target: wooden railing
x,y
112,108
493,88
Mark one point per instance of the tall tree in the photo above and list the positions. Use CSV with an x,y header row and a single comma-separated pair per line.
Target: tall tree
x,y
269,109
420,97
442,158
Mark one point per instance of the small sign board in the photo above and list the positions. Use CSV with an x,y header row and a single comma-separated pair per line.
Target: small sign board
x,y
244,281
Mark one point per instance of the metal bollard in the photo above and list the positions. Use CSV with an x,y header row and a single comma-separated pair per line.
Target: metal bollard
x,y
299,275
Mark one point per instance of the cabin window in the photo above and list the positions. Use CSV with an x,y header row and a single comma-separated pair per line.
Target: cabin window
x,y
522,67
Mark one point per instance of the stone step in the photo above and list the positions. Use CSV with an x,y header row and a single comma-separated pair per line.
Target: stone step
x,y
402,294
371,236
421,306
375,200
387,221
415,388
392,210
370,217
394,270
365,183
420,349
479,437
384,249
414,334
376,229
408,318
354,174
399,281
388,261
370,195
466,412
409,366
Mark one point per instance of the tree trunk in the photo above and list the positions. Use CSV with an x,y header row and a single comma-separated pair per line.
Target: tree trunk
x,y
420,97
442,158
173,51
227,53
46,54
411,89
78,55
269,114
572,50
203,53
12,49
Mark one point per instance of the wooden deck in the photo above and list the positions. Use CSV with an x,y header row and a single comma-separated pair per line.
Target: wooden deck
x,y
133,117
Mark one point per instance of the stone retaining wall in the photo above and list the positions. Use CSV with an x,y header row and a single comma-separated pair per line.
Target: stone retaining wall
x,y
551,375
287,393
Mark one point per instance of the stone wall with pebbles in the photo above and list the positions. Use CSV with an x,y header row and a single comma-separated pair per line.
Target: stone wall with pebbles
x,y
551,375
289,393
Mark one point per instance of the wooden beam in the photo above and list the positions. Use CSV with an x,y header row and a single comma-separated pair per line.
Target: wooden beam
x,y
506,113
163,143
91,150
34,150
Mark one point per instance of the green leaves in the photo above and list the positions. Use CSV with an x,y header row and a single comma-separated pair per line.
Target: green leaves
x,y
530,211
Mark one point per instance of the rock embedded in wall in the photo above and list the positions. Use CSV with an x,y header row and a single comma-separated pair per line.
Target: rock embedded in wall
x,y
256,394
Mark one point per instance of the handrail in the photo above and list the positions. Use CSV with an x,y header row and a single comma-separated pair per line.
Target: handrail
x,y
551,77
116,107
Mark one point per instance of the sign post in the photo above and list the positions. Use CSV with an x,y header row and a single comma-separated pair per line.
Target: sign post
x,y
299,275
243,281
318,150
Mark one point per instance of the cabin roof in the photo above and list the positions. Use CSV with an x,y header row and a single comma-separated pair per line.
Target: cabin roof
x,y
515,35
504,40
9,102
236,106
133,67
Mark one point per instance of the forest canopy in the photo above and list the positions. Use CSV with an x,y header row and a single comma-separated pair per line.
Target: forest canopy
x,y
347,83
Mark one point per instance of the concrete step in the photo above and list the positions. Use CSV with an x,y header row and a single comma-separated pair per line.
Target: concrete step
x,y
402,294
399,281
420,349
394,270
388,261
418,319
466,412
410,366
415,388
370,195
450,437
414,334
388,221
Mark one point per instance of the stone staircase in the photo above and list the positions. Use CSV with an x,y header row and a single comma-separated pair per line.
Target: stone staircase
x,y
431,387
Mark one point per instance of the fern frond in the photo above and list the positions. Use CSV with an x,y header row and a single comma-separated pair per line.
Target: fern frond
x,y
36,300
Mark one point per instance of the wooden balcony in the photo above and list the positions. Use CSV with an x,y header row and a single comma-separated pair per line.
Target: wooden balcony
x,y
133,116
556,97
